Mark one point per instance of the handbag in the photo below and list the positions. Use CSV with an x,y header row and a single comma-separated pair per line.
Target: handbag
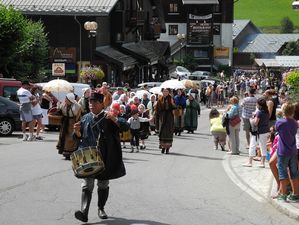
x,y
234,120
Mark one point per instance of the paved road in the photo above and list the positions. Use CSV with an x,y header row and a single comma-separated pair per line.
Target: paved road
x,y
187,187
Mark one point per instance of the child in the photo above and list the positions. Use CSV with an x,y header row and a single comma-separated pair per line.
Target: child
x,y
134,122
287,153
125,134
217,130
144,127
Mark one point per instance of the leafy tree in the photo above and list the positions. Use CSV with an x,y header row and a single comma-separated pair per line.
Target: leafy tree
x,y
292,48
23,45
293,82
287,25
12,25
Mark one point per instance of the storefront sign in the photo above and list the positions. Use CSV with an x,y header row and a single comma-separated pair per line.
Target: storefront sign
x,y
62,55
221,52
58,69
199,29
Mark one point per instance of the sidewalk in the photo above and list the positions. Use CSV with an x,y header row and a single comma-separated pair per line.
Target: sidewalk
x,y
257,182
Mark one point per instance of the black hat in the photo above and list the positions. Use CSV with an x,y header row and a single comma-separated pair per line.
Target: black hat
x,y
96,97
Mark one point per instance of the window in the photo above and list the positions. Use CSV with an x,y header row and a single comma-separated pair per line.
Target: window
x,y
200,54
173,7
173,29
10,92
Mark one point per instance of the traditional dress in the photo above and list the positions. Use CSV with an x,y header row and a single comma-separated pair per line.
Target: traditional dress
x,y
191,115
165,121
180,102
70,115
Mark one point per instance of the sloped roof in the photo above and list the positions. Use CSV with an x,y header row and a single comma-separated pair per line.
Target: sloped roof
x,y
240,25
63,7
265,43
117,57
279,61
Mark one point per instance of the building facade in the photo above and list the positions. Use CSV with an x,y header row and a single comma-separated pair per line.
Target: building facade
x,y
207,28
122,25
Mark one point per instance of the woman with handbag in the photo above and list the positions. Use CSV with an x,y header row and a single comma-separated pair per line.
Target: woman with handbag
x,y
260,132
233,114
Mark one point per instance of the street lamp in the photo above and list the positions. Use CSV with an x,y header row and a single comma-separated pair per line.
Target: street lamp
x,y
91,27
181,38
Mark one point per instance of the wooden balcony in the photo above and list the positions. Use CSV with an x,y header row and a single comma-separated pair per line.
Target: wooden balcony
x,y
135,18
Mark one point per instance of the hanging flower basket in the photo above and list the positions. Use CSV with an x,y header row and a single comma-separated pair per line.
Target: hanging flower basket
x,y
92,73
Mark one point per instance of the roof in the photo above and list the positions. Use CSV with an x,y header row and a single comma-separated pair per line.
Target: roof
x,y
240,25
265,43
117,57
199,2
150,51
279,61
63,7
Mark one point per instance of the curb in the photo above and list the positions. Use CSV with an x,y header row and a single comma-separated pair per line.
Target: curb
x,y
284,207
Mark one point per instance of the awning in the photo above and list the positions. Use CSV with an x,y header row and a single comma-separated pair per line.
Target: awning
x,y
112,55
148,51
200,2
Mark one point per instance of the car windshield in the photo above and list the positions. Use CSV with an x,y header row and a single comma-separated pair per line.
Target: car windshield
x,y
182,69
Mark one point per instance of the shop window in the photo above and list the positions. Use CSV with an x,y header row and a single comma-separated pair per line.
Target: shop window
x,y
173,29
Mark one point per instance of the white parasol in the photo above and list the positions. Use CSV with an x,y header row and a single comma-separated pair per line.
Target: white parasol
x,y
188,83
58,85
140,93
155,90
172,84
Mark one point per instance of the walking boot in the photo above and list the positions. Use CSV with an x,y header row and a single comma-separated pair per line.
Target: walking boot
x,y
167,150
102,199
163,150
85,203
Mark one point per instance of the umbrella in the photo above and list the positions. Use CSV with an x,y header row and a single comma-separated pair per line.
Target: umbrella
x,y
140,93
58,85
172,84
188,83
155,90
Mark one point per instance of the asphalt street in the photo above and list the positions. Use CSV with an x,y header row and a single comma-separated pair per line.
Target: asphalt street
x,y
190,186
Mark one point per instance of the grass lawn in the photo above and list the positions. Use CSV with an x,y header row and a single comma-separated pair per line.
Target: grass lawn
x,y
266,13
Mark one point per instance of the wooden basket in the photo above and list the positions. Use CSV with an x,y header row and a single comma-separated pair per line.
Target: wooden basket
x,y
55,119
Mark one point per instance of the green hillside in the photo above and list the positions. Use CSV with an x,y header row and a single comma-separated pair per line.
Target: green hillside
x,y
266,14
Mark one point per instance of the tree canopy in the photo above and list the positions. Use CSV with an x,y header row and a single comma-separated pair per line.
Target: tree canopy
x,y
23,45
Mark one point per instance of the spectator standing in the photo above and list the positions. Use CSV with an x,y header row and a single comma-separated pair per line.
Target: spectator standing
x,y
248,106
25,99
37,112
261,121
45,105
287,153
233,112
217,130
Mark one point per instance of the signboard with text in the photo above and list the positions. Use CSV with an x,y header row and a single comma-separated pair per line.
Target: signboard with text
x,y
199,29
61,54
58,69
221,52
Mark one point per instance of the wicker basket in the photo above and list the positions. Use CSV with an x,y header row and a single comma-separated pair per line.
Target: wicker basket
x,y
55,119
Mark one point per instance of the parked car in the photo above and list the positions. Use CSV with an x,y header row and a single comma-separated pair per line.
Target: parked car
x,y
180,73
201,74
9,87
9,117
206,82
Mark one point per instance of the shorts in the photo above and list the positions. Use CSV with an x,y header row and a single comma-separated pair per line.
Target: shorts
x,y
39,116
246,124
26,113
285,162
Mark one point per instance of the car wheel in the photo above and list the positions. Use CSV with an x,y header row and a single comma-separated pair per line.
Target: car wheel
x,y
6,127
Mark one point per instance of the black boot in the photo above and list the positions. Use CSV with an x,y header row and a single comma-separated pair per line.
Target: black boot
x,y
102,198
85,203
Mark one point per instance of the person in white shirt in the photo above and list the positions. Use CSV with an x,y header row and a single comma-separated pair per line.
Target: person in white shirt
x,y
25,98
37,112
